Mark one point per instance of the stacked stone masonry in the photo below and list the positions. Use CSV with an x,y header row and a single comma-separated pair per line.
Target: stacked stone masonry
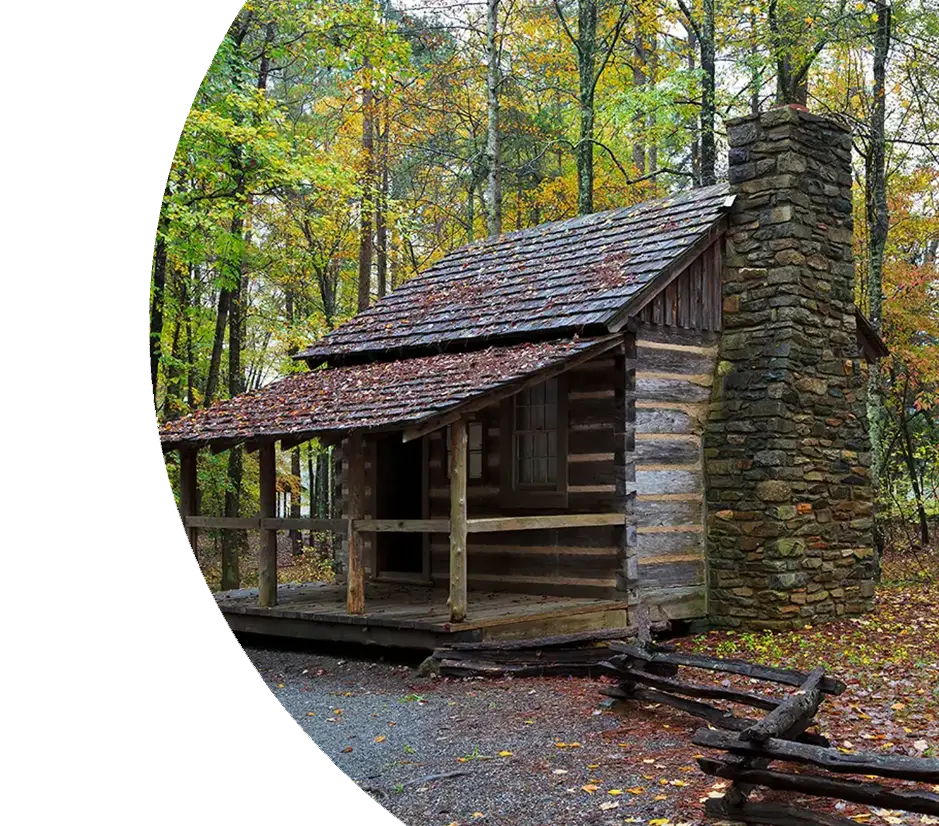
x,y
787,456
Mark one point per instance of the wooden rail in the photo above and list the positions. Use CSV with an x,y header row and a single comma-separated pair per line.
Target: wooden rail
x,y
647,672
340,526
530,523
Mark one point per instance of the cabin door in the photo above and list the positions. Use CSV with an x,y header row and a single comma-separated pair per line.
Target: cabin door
x,y
399,494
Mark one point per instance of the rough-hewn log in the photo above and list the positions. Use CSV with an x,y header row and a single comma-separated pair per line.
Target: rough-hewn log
x,y
601,634
787,676
267,555
771,814
694,690
715,716
794,714
921,769
354,452
458,521
868,794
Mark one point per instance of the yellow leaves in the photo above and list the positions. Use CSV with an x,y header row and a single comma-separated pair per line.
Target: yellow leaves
x,y
660,821
590,788
560,745
380,738
636,790
347,749
505,753
280,685
615,792
477,815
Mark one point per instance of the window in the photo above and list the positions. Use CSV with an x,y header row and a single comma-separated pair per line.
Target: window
x,y
535,434
474,450
534,440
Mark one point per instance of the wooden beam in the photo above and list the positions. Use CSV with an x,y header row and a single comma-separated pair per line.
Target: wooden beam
x,y
458,522
402,525
354,452
189,494
267,558
431,423
304,524
529,523
240,523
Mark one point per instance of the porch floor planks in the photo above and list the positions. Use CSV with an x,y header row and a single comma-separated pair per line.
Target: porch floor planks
x,y
420,608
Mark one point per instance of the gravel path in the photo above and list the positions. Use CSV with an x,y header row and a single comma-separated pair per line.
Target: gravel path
x,y
533,752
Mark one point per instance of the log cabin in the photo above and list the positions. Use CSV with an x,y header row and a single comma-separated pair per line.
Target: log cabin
x,y
655,409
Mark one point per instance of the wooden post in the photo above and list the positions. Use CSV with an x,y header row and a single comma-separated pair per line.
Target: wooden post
x,y
189,493
354,451
267,558
458,521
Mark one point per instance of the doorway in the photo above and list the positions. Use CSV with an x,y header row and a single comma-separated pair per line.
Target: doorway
x,y
400,495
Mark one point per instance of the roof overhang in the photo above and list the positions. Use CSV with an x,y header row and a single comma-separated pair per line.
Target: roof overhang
x,y
413,396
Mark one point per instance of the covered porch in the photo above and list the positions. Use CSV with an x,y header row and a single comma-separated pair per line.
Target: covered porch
x,y
357,407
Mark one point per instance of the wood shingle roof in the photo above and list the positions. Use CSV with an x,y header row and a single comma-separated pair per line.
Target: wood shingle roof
x,y
559,277
374,396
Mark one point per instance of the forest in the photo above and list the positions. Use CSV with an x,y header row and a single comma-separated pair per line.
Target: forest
x,y
335,149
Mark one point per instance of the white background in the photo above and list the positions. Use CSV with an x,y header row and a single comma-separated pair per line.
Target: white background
x,y
126,699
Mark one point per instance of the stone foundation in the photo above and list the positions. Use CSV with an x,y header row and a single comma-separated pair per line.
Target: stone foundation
x,y
787,456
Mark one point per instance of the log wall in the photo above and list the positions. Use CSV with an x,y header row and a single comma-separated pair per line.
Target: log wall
x,y
563,561
666,540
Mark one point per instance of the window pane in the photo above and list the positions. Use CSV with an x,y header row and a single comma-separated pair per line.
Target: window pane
x,y
552,470
475,465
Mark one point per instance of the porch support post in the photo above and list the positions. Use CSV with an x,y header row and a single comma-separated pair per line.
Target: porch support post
x,y
355,573
267,559
458,521
189,492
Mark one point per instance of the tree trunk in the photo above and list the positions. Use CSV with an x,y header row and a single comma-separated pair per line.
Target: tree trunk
x,y
911,469
381,206
366,209
493,152
708,108
218,344
159,287
877,227
586,46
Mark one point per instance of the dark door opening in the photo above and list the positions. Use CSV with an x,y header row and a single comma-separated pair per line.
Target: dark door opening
x,y
399,495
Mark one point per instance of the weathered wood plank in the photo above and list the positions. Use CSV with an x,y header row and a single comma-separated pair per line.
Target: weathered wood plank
x,y
458,521
239,523
402,525
302,524
524,523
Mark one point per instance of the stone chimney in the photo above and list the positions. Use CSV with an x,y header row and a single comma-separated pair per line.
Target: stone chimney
x,y
787,455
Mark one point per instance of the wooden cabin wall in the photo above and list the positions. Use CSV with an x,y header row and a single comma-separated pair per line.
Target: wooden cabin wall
x,y
692,301
566,561
674,374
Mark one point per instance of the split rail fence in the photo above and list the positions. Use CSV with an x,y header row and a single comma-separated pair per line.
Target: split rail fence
x,y
650,673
